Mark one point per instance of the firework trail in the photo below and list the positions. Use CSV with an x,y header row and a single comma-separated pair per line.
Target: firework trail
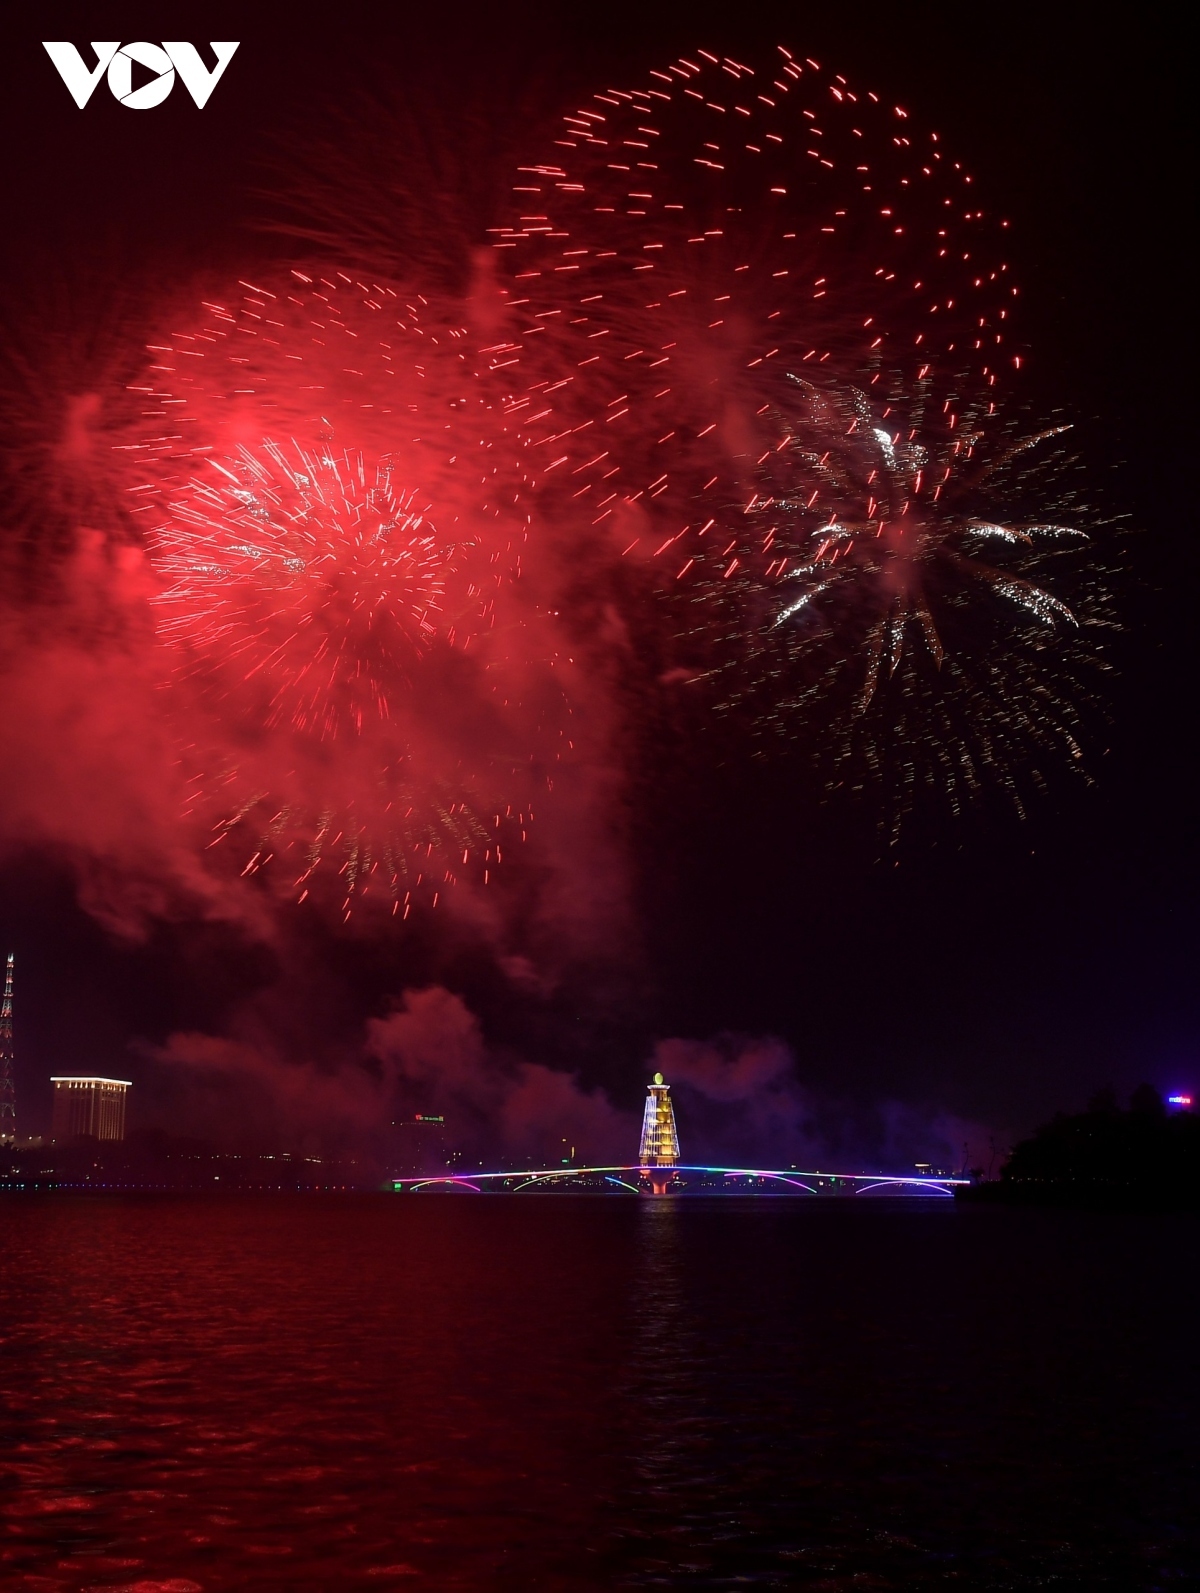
x,y
337,511
692,242
276,545
772,319
909,608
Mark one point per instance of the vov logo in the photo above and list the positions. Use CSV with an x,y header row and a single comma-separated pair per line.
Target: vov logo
x,y
117,60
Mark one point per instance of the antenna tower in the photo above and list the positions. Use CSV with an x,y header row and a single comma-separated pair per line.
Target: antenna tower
x,y
8,1094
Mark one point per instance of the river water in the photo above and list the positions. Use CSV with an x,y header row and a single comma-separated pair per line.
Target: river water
x,y
551,1392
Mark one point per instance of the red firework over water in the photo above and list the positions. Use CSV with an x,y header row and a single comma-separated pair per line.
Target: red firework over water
x,y
309,570
722,401
774,317
337,509
693,243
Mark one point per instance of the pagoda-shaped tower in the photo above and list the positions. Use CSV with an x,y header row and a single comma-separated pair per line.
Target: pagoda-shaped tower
x,y
660,1139
8,1095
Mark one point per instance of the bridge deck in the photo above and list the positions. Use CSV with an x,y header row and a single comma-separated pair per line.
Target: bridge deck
x,y
685,1178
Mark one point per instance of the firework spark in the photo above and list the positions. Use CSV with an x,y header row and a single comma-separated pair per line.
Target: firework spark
x,y
774,318
347,618
306,569
896,587
691,242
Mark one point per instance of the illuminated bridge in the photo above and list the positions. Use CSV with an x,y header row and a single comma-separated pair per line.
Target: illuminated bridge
x,y
682,1179
658,1171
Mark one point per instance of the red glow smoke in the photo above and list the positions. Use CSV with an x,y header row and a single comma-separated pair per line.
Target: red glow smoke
x,y
338,510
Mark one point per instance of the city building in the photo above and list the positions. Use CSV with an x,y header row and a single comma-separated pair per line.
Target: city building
x,y
660,1140
89,1106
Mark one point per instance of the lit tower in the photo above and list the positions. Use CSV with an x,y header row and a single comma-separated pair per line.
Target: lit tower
x,y
660,1141
8,1092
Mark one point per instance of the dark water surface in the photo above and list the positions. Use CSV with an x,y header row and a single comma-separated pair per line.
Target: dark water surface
x,y
553,1392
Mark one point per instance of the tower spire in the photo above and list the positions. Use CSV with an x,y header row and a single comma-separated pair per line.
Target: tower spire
x,y
660,1139
8,1096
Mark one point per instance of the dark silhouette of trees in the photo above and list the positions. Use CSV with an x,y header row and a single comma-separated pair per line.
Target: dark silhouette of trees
x,y
1143,1157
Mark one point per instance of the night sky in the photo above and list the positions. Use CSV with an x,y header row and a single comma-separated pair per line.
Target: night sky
x,y
997,969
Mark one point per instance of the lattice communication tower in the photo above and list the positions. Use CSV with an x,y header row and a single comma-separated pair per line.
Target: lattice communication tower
x,y
8,1091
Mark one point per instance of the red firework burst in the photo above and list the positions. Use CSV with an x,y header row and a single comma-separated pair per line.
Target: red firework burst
x,y
307,570
773,316
338,519
690,244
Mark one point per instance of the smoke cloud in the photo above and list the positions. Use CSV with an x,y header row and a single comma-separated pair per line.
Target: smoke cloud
x,y
739,1102
428,1055
743,1102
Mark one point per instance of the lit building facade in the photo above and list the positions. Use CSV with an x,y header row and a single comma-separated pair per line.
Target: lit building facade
x,y
660,1140
89,1106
